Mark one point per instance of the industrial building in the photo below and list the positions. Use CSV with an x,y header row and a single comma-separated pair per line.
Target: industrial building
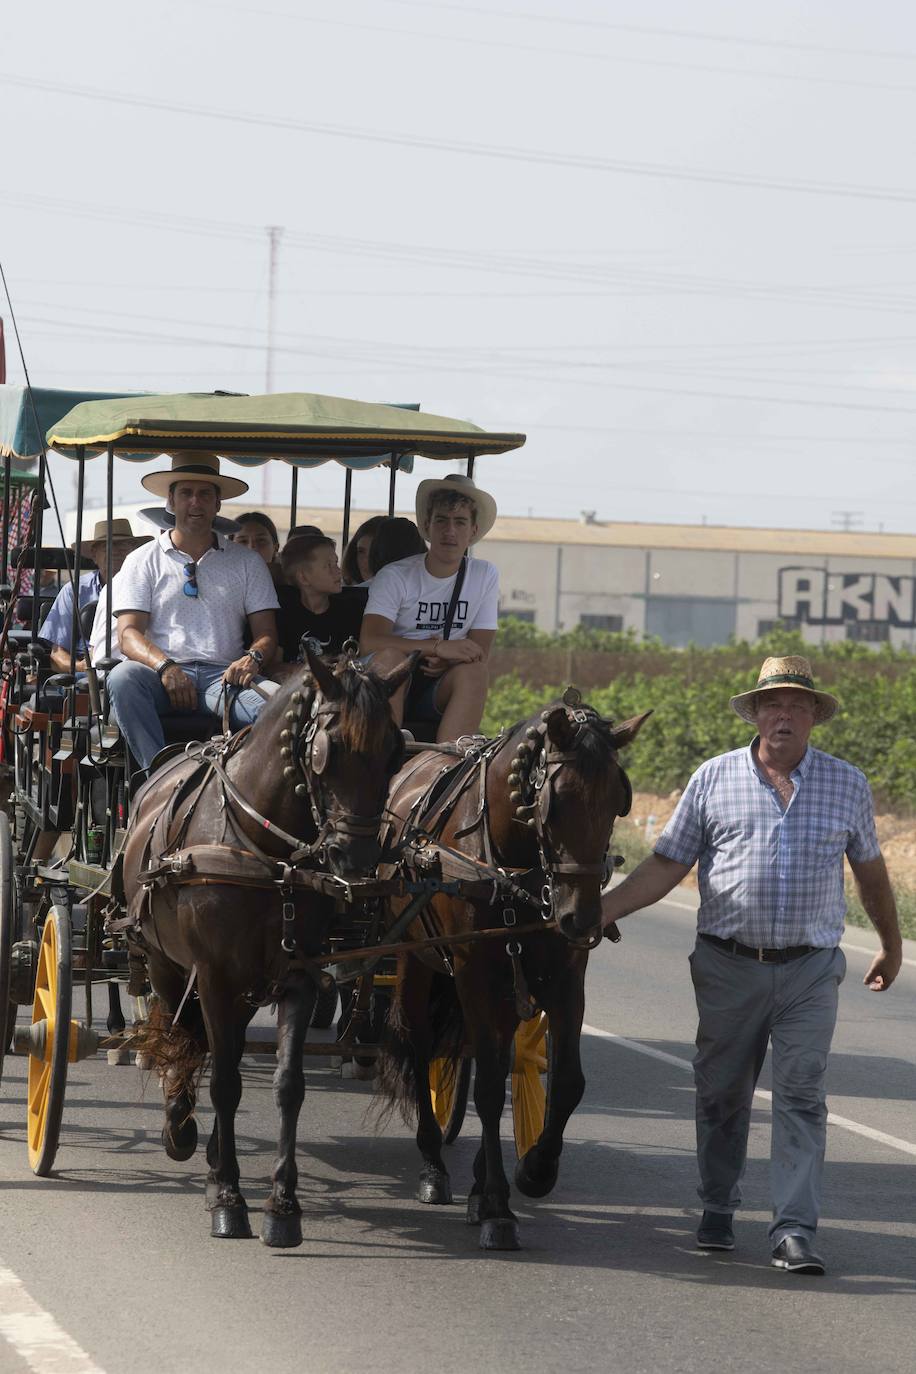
x,y
699,584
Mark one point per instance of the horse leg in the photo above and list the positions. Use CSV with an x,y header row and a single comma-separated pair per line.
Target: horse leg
x,y
282,1223
212,1186
178,1069
488,1202
229,1213
115,1020
435,1186
564,1001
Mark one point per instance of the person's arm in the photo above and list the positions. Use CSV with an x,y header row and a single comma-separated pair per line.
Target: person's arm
x,y
646,885
135,645
60,660
263,626
877,896
377,633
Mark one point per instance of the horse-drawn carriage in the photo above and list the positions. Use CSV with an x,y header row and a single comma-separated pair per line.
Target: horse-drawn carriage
x,y
247,865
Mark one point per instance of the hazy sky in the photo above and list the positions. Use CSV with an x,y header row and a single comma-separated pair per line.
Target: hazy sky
x,y
674,243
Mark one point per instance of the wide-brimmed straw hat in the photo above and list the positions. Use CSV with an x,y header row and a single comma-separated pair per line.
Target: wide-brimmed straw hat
x,y
193,467
121,533
457,481
777,673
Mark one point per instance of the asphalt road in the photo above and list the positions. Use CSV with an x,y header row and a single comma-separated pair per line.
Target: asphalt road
x,y
109,1266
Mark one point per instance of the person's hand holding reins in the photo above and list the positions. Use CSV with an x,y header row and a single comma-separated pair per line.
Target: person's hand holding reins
x,y
181,689
242,672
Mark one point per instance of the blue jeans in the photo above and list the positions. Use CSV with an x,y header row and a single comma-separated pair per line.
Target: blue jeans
x,y
138,699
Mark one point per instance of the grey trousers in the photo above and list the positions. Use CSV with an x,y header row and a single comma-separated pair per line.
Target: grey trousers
x,y
743,1005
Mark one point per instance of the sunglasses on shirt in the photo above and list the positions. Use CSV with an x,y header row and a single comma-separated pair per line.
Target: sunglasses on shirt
x,y
190,579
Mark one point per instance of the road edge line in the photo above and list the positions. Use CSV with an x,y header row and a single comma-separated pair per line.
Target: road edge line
x,y
35,1335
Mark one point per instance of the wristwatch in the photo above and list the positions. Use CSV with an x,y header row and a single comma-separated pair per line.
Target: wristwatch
x,y
256,655
161,667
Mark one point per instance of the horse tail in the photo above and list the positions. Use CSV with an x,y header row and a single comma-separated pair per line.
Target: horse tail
x,y
177,1052
396,1069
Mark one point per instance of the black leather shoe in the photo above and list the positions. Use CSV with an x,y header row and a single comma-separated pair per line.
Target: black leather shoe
x,y
715,1232
795,1254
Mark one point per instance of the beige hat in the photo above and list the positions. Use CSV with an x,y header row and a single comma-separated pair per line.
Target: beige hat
x,y
193,467
121,533
792,671
456,481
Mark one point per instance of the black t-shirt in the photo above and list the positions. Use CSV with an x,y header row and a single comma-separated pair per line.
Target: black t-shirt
x,y
340,622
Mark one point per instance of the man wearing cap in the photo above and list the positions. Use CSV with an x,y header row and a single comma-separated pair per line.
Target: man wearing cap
x,y
182,605
770,825
58,625
442,603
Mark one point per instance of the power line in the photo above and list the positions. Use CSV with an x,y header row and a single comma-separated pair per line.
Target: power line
x,y
531,156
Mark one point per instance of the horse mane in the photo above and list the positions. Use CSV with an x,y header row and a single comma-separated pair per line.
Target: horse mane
x,y
593,747
364,717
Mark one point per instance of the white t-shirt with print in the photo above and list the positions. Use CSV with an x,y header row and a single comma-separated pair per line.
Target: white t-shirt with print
x,y
97,637
233,582
416,602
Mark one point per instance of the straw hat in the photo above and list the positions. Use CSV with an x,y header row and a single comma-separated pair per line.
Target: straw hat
x,y
456,481
792,671
121,533
193,467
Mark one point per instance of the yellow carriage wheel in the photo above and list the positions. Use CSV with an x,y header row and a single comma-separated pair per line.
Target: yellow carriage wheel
x,y
50,1039
448,1087
529,1068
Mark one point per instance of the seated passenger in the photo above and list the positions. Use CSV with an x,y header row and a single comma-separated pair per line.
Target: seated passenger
x,y
313,606
355,565
411,603
182,604
257,531
395,538
58,625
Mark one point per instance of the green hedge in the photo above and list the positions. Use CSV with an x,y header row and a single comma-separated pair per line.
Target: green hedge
x,y
875,727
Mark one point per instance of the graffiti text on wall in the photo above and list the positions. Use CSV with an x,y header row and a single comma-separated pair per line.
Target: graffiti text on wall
x,y
818,597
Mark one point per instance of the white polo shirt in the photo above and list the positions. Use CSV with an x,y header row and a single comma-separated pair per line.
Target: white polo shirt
x,y
232,583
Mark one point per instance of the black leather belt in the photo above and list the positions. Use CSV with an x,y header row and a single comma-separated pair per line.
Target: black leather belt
x,y
763,956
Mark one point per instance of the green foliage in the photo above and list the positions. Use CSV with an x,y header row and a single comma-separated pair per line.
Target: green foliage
x,y
688,692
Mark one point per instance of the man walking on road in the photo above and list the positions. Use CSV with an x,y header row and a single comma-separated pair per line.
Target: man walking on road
x,y
769,825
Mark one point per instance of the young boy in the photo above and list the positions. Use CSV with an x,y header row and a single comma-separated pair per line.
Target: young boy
x,y
409,603
313,605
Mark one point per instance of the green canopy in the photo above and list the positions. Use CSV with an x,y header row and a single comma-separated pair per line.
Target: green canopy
x,y
20,436
303,429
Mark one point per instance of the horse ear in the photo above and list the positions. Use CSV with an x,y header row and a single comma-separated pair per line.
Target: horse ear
x,y
626,732
560,729
395,676
323,675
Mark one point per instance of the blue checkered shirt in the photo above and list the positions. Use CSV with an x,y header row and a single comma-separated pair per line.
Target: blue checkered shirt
x,y
771,877
59,620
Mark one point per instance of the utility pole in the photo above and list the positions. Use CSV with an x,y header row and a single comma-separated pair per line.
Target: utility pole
x,y
846,519
274,234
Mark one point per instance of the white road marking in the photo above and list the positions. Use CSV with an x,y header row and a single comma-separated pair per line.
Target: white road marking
x,y
35,1335
893,1142
856,949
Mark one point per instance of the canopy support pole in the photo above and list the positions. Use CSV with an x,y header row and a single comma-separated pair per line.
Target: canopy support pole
x,y
109,507
37,530
293,497
5,550
471,465
393,463
345,533
77,561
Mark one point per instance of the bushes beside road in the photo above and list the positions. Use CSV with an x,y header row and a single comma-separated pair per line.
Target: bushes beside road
x,y
688,691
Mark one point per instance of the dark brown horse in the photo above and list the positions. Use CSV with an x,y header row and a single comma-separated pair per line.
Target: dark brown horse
x,y
540,806
216,873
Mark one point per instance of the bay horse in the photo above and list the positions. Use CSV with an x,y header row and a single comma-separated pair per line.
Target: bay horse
x,y
221,851
539,806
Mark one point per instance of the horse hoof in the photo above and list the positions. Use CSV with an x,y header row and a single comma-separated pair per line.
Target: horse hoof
x,y
281,1231
536,1184
499,1233
474,1209
211,1194
181,1142
434,1188
230,1223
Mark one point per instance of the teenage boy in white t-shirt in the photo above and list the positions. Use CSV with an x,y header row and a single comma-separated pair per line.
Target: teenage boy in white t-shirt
x,y
408,609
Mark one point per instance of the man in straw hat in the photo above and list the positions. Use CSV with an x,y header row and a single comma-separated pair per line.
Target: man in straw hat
x,y
182,604
770,825
58,624
442,603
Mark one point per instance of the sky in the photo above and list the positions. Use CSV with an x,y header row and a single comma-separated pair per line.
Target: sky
x,y
674,243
